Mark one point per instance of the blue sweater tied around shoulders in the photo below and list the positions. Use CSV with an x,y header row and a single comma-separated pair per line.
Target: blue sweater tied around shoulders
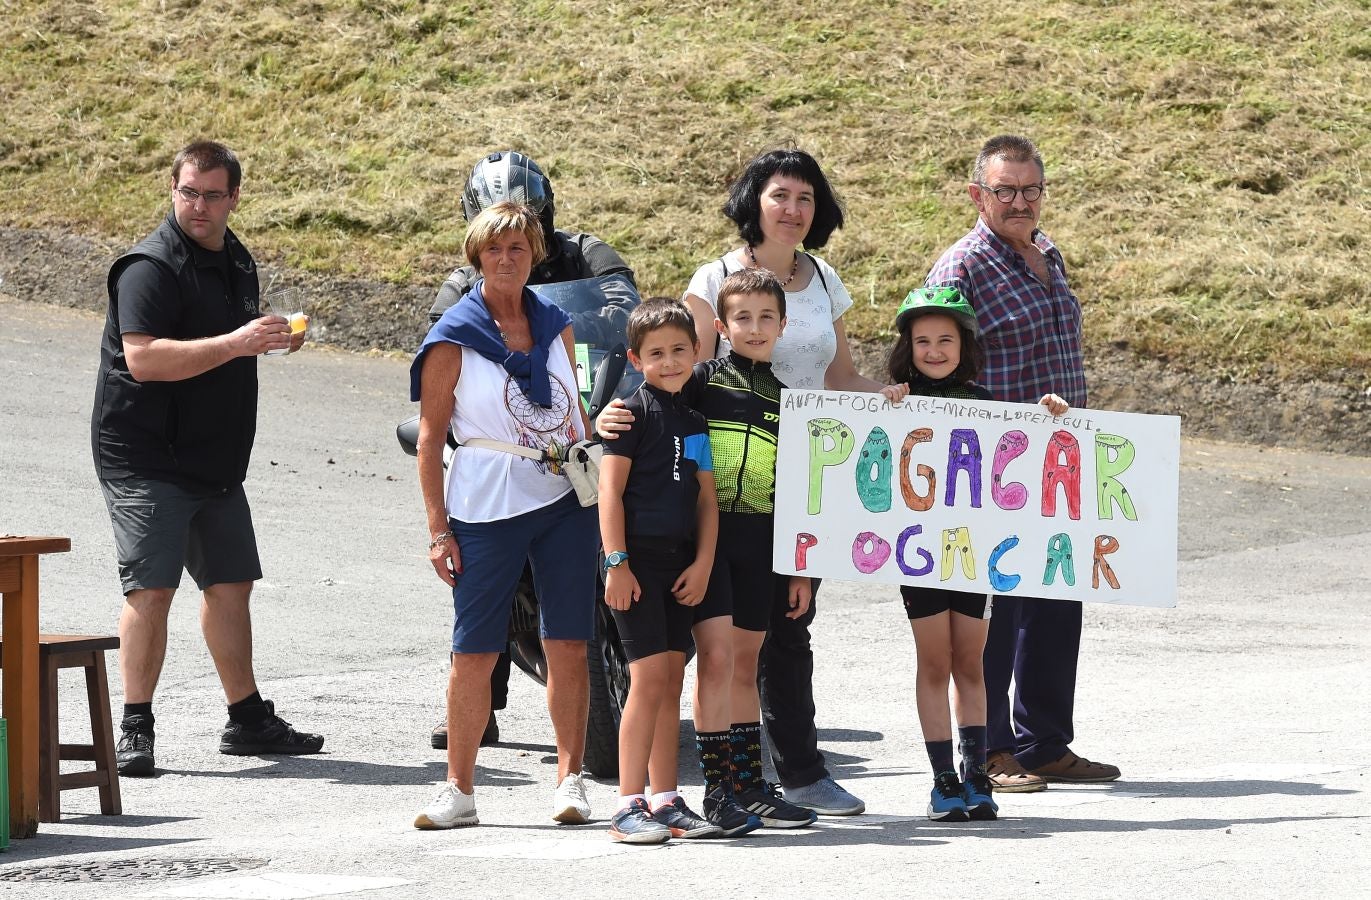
x,y
468,323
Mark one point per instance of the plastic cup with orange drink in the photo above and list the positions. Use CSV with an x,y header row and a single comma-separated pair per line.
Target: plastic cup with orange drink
x,y
286,303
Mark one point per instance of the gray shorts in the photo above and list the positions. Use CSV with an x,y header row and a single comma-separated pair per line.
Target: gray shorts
x,y
160,527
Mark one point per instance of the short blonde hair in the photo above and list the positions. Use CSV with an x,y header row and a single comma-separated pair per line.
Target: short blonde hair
x,y
498,220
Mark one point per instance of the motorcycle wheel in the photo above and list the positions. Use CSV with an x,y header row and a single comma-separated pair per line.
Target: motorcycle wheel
x,y
525,647
608,669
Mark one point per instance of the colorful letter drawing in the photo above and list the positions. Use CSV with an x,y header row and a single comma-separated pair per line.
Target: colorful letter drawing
x,y
916,502
830,444
1113,456
1062,466
873,470
957,542
936,493
902,542
999,580
1059,557
1013,495
868,561
964,453
1104,545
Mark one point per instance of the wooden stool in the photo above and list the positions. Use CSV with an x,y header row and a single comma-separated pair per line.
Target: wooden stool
x,y
71,651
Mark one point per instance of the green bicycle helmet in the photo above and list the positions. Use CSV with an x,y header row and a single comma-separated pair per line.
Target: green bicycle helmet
x,y
946,300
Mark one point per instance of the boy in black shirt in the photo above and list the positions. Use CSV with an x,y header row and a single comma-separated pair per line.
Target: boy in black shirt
x,y
658,520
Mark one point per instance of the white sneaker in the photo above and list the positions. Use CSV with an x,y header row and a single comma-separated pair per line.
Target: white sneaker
x,y
450,809
569,804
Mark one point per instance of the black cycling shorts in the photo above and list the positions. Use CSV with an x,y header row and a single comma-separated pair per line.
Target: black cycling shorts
x,y
920,602
656,623
742,581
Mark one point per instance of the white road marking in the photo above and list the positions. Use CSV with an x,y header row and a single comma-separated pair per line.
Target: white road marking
x,y
277,886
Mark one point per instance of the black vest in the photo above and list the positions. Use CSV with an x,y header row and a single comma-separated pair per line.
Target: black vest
x,y
197,432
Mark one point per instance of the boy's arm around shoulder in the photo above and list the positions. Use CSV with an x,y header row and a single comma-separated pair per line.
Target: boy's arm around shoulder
x,y
619,425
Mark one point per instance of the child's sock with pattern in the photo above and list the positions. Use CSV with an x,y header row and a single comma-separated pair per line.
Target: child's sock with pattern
x,y
940,755
972,746
716,755
746,741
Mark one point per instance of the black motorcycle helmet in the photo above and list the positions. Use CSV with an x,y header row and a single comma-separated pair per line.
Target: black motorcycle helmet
x,y
509,175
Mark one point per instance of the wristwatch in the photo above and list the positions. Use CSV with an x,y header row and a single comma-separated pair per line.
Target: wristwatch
x,y
614,560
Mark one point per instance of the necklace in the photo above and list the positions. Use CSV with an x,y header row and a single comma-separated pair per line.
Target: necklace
x,y
794,267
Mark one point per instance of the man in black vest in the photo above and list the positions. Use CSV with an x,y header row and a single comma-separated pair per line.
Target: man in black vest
x,y
172,430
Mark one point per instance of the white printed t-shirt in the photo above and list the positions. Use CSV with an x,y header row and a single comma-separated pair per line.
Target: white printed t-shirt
x,y
809,343
489,485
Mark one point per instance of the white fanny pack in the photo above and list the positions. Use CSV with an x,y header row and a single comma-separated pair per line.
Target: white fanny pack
x,y
582,463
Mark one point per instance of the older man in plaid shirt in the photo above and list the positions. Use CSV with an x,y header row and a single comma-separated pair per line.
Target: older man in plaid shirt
x,y
1031,327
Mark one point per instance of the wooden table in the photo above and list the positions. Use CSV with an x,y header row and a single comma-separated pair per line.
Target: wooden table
x,y
19,583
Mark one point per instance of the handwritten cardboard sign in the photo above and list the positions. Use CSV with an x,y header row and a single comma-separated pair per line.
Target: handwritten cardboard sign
x,y
978,496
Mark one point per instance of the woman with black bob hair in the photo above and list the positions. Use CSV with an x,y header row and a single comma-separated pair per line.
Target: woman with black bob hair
x,y
744,208
782,202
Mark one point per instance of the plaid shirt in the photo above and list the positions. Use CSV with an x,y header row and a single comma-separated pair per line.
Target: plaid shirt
x,y
1031,332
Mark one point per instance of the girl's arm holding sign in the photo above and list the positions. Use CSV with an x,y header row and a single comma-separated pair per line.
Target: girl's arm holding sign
x,y
1055,405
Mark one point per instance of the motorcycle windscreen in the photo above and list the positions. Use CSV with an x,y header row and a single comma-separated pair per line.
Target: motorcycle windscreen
x,y
599,310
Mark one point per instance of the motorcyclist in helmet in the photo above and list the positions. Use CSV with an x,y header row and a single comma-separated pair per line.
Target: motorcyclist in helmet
x,y
510,175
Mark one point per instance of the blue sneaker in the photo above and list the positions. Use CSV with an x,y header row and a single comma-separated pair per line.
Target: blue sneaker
x,y
634,825
976,795
945,804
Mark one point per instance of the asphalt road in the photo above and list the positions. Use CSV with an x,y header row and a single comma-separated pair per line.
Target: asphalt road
x,y
1240,718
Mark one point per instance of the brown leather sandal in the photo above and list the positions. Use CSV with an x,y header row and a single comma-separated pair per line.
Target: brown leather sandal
x,y
1008,777
1073,769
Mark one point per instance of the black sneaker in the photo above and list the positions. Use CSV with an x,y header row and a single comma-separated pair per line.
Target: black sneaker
x,y
271,735
683,822
437,739
722,810
133,755
767,804
491,736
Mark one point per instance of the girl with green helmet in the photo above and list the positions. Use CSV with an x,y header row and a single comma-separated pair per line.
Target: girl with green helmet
x,y
938,353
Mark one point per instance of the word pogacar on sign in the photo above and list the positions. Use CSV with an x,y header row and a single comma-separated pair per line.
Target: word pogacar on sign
x,y
978,496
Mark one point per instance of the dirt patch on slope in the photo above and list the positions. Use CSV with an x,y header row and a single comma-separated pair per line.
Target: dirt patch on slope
x,y
69,270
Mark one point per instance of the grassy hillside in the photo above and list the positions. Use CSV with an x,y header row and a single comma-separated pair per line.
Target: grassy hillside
x,y
1207,159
